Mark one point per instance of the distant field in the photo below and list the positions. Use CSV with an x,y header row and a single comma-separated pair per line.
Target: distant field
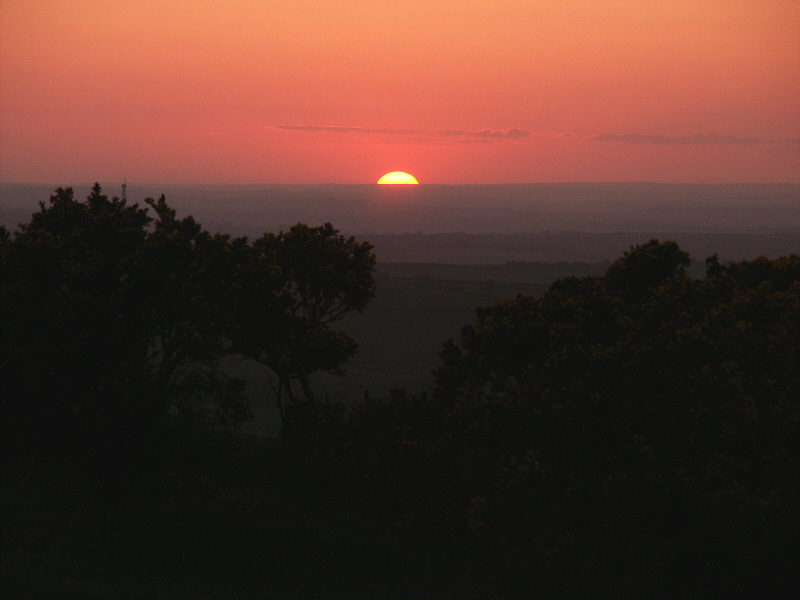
x,y
477,209
485,224
574,246
417,307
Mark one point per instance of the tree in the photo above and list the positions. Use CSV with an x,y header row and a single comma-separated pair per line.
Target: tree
x,y
108,319
186,278
661,405
647,266
73,331
628,427
292,288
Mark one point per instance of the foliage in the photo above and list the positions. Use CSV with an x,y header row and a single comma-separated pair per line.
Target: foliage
x,y
647,266
73,330
190,274
625,428
634,434
214,515
293,286
108,319
111,317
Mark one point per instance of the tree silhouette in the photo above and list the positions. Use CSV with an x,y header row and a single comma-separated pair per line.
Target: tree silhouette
x,y
293,287
73,331
108,319
638,414
647,266
186,277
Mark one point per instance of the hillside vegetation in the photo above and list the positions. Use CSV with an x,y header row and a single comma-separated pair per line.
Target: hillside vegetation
x,y
631,433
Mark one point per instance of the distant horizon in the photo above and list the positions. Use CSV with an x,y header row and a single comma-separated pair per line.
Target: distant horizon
x,y
102,182
250,209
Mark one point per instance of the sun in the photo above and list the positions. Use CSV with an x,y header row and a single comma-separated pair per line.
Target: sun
x,y
398,177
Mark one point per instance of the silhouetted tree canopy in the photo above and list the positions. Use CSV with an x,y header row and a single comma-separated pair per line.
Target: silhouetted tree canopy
x,y
187,275
617,430
647,266
314,277
74,332
115,316
111,317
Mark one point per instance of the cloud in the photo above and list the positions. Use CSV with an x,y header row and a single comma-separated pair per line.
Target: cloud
x,y
346,129
485,134
458,135
695,140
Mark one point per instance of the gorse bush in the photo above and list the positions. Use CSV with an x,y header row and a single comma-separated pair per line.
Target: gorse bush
x,y
112,317
628,427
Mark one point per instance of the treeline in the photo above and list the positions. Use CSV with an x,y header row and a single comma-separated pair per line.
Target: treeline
x,y
113,317
633,434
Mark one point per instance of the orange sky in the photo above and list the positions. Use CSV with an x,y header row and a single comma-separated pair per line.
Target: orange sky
x,y
316,91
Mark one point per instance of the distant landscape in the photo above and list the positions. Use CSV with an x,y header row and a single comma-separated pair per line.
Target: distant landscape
x,y
585,222
440,246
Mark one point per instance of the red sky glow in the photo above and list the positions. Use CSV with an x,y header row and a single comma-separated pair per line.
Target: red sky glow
x,y
312,91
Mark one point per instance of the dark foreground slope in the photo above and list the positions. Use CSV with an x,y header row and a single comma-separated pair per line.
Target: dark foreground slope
x,y
628,435
211,516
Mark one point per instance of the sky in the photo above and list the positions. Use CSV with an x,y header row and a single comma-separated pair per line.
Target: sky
x,y
453,92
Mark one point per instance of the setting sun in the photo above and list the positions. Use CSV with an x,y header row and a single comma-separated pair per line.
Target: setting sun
x,y
398,177
625,91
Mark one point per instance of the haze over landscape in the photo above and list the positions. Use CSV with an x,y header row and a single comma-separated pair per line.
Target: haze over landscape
x,y
485,224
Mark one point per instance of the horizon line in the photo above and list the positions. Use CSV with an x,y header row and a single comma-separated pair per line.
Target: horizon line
x,y
374,184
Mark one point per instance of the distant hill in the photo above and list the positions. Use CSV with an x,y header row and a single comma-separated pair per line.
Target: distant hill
x,y
569,221
573,246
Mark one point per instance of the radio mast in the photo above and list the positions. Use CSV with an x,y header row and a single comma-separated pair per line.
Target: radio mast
x,y
124,187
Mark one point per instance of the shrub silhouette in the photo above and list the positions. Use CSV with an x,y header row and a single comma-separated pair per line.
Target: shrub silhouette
x,y
617,431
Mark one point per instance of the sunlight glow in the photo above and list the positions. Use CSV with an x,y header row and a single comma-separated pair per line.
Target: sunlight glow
x,y
398,177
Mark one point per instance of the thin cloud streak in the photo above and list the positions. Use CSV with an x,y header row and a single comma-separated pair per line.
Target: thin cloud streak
x,y
484,135
695,140
494,134
347,129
